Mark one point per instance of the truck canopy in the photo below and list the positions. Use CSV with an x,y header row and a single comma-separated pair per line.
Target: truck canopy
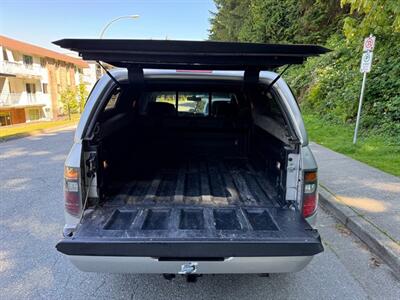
x,y
170,54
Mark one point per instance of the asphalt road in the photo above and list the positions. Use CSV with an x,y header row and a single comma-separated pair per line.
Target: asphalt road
x,y
31,220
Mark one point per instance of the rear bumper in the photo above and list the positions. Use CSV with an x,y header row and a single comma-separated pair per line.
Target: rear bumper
x,y
244,265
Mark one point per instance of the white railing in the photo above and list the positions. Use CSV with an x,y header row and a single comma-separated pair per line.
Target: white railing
x,y
20,69
12,99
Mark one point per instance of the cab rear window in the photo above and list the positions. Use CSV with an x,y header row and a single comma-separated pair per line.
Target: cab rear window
x,y
191,104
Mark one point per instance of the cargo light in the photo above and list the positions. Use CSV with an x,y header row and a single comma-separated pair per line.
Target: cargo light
x,y
310,196
72,199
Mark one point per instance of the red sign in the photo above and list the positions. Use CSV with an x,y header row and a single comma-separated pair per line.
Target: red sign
x,y
369,43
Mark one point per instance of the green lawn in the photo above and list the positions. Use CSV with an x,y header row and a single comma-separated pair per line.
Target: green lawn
x,y
375,150
33,128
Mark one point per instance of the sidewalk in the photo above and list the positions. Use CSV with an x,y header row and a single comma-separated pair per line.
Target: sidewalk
x,y
38,132
365,199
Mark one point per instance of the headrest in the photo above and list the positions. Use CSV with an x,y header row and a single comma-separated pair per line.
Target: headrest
x,y
221,109
160,109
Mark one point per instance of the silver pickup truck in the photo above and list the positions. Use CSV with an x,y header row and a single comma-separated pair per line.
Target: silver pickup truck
x,y
176,169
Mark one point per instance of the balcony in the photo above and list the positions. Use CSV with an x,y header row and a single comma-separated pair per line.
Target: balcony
x,y
19,69
23,99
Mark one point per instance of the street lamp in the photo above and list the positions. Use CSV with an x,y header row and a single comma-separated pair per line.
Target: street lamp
x,y
116,19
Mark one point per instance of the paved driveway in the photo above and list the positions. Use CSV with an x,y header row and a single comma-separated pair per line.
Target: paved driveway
x,y
31,220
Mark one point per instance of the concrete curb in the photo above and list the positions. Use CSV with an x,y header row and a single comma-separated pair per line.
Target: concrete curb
x,y
374,238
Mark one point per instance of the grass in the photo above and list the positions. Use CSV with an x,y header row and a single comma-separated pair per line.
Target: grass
x,y
25,129
375,150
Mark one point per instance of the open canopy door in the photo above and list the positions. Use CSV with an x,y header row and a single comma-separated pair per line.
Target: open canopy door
x,y
168,54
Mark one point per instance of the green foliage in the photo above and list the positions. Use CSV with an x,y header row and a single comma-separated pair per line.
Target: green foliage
x,y
276,21
329,86
381,17
226,23
262,26
69,101
82,96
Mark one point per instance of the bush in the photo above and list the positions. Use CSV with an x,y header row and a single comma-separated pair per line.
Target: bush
x,y
330,85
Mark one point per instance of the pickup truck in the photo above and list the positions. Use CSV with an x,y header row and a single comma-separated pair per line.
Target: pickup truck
x,y
190,158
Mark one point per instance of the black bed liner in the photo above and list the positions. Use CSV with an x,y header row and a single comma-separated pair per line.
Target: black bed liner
x,y
193,231
207,181
235,218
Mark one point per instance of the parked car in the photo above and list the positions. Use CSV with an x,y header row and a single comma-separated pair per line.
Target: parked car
x,y
179,170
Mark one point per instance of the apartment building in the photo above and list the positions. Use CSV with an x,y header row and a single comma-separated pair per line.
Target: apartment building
x,y
93,72
32,79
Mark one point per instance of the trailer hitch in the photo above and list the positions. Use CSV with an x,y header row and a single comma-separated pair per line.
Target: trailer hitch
x,y
188,268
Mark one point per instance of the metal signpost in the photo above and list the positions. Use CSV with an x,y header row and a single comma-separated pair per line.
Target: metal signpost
x,y
366,62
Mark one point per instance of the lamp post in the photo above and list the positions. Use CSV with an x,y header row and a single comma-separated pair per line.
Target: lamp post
x,y
116,19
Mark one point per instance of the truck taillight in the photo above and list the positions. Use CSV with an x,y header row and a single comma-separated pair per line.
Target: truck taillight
x,y
310,197
71,191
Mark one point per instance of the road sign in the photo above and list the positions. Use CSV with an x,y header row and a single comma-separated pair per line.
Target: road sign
x,y
366,62
369,43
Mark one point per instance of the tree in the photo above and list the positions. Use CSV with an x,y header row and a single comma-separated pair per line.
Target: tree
x,y
228,20
328,85
380,17
69,101
277,21
82,96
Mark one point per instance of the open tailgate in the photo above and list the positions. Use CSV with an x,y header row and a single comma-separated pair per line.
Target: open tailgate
x,y
157,231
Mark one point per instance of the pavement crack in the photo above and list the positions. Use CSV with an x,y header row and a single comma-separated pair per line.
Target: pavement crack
x,y
97,288
67,281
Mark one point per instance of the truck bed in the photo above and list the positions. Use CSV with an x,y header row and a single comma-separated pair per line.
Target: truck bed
x,y
200,181
199,208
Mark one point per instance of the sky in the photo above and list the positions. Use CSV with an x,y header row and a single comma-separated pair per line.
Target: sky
x,y
40,22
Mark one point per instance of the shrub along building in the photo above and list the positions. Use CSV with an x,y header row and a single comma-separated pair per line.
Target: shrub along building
x,y
32,79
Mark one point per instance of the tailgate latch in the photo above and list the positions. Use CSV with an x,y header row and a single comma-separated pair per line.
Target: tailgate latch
x,y
188,268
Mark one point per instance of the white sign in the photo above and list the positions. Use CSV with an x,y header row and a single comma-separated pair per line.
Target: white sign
x,y
366,62
369,43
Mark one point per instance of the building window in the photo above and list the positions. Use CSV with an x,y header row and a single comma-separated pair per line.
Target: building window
x,y
30,88
43,62
5,118
5,56
34,114
28,60
44,88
